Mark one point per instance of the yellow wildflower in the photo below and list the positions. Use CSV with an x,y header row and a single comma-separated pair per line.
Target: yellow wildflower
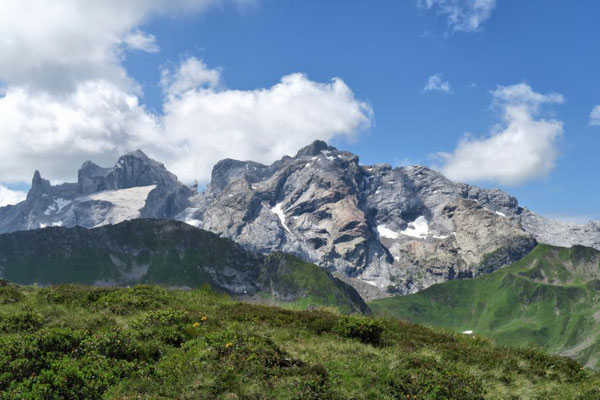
x,y
228,345
204,318
196,324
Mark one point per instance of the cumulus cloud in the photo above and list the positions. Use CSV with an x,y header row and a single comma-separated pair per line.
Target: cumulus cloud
x,y
55,45
55,134
435,83
8,196
463,15
138,40
204,124
595,116
201,123
191,74
65,96
521,148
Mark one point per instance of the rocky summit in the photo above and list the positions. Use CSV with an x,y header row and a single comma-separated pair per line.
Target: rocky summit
x,y
383,230
136,187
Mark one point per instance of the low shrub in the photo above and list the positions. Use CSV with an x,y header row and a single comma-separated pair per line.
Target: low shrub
x,y
10,294
138,298
172,327
367,330
425,378
26,321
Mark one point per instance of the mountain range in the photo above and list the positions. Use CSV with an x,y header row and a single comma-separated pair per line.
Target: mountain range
x,y
385,231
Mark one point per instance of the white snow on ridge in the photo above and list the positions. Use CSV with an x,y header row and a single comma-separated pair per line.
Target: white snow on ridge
x,y
328,155
57,206
386,233
277,210
372,283
417,229
187,216
193,222
131,198
61,203
501,214
127,203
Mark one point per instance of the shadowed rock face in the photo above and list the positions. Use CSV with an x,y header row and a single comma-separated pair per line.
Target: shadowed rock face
x,y
386,230
169,253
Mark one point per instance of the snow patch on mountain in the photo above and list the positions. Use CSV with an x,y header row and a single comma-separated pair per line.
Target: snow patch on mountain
x,y
418,228
277,210
126,203
57,206
386,233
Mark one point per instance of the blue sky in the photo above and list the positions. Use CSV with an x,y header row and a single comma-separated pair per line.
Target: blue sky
x,y
385,52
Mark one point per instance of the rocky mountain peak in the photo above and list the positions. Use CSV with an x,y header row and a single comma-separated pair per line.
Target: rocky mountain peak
x,y
136,186
229,170
383,227
137,154
314,149
136,169
39,186
91,178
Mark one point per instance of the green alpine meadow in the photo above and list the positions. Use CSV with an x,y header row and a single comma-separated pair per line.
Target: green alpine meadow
x,y
148,342
550,299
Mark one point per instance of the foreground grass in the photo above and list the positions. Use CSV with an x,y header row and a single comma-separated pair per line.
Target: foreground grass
x,y
73,342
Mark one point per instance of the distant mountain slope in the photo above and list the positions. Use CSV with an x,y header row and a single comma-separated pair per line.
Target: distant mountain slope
x,y
169,253
551,298
383,230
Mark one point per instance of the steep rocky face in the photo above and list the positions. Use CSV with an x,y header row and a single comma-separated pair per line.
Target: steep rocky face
x,y
394,230
385,230
135,187
169,253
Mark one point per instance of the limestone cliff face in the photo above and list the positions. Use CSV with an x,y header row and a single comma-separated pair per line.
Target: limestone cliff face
x,y
384,230
381,229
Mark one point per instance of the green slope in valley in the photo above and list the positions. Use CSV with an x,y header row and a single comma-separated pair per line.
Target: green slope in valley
x,y
550,299
147,342
168,253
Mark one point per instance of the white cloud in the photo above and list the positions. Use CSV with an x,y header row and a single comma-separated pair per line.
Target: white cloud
x,y
8,196
204,124
191,74
521,148
66,97
138,40
595,116
55,45
463,15
522,94
435,83
201,124
55,134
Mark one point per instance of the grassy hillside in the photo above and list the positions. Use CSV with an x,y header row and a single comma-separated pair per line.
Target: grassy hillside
x,y
145,342
169,253
550,299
